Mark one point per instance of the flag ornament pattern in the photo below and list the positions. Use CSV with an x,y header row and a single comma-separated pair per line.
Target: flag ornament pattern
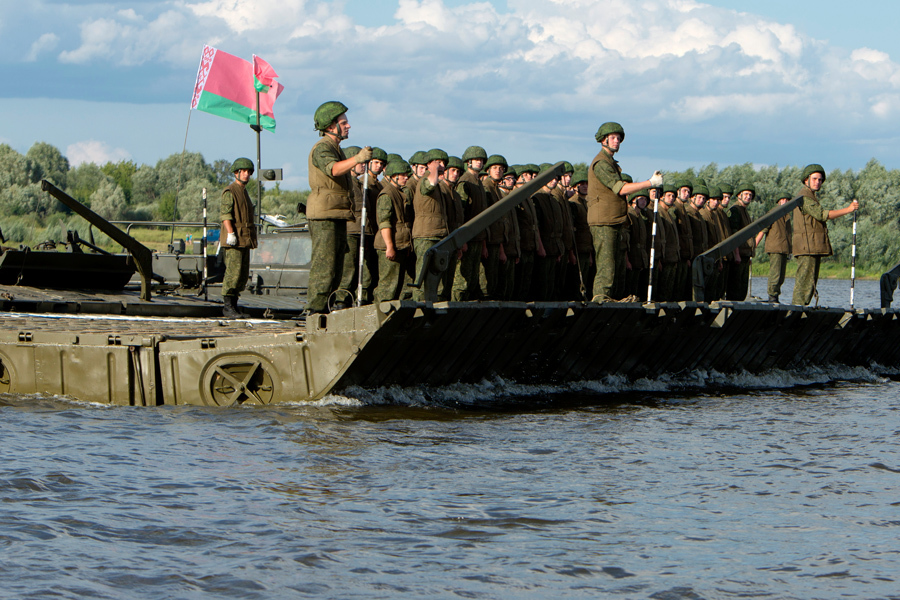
x,y
226,86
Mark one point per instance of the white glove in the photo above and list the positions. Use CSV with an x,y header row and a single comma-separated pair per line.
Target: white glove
x,y
657,179
231,240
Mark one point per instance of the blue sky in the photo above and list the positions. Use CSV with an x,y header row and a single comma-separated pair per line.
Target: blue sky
x,y
765,82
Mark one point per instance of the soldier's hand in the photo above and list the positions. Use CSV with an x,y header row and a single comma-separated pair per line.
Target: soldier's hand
x,y
364,155
231,239
854,206
657,179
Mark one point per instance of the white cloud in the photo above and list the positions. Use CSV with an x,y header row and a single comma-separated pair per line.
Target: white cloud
x,y
46,43
93,151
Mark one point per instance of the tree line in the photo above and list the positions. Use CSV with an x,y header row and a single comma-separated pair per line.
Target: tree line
x,y
171,190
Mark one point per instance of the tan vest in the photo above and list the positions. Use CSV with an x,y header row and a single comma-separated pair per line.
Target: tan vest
x,y
810,235
430,212
605,207
747,248
244,219
329,197
699,236
476,200
672,248
498,231
778,236
401,220
584,242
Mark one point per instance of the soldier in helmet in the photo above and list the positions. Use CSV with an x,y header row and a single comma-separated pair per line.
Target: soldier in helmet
x,y
530,245
671,253
607,207
498,232
350,275
455,217
778,247
550,226
393,243
239,225
810,236
561,194
430,205
328,207
638,252
738,218
466,284
584,245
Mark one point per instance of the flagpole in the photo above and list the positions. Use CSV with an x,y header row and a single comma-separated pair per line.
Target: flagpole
x,y
258,129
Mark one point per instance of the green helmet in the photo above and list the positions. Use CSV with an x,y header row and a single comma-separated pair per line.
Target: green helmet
x,y
809,170
546,167
418,158
608,128
579,176
627,178
456,162
473,152
351,151
568,168
516,169
670,187
745,187
715,192
700,189
512,171
379,154
397,167
495,159
436,154
531,168
327,113
392,157
784,194
726,188
635,195
680,183
242,163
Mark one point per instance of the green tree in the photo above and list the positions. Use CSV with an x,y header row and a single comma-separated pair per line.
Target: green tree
x,y
108,201
122,173
16,169
84,180
54,166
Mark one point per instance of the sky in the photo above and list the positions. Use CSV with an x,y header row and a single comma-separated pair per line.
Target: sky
x,y
764,82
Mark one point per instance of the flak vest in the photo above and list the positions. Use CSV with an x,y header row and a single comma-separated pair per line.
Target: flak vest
x,y
685,232
430,211
699,234
568,234
672,248
528,230
638,245
747,248
549,222
455,215
810,235
584,242
498,231
476,200
244,218
401,219
329,197
778,236
605,207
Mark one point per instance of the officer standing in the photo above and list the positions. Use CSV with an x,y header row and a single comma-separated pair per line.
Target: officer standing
x,y
778,247
328,206
471,192
738,218
810,239
607,207
239,225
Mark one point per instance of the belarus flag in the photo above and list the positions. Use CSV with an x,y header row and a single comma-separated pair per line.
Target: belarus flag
x,y
227,85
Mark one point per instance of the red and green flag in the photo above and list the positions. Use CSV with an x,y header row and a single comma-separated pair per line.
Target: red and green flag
x,y
226,86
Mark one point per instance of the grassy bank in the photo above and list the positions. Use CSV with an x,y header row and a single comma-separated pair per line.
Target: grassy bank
x,y
827,270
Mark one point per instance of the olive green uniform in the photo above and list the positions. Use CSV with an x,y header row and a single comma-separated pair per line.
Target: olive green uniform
x,y
778,247
498,234
683,284
431,223
529,236
393,213
327,210
550,224
466,284
638,251
671,254
739,275
606,217
350,274
568,240
810,244
584,248
237,207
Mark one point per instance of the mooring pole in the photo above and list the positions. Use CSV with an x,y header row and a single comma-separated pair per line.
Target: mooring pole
x,y
362,238
653,250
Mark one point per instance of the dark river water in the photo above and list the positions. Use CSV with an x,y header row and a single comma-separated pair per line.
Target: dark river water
x,y
780,485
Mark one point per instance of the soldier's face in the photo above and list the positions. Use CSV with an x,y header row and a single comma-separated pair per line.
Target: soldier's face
x,y
641,202
552,183
526,177
815,181
509,180
359,169
698,200
782,201
684,193
476,164
725,199
565,179
613,141
713,203
420,170
496,172
453,174
242,175
400,180
342,126
376,166
654,193
669,198
746,196
582,188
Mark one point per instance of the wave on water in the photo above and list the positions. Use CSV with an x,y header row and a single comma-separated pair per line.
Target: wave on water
x,y
497,390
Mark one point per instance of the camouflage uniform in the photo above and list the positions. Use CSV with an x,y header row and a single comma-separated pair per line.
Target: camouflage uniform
x,y
607,216
810,244
237,207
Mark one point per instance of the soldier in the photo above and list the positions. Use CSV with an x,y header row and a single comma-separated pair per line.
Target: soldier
x,y
393,243
417,164
607,207
685,237
638,253
328,205
239,225
561,194
778,247
498,234
509,180
466,284
738,218
671,254
710,215
431,222
530,245
456,218
550,223
699,233
583,276
727,193
810,235
350,275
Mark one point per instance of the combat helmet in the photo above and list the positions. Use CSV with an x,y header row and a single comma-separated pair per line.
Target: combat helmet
x,y
397,167
474,152
454,162
379,154
418,158
746,187
495,159
568,168
608,128
809,170
327,113
242,163
351,151
436,154
579,176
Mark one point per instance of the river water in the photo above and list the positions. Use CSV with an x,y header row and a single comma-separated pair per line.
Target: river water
x,y
779,485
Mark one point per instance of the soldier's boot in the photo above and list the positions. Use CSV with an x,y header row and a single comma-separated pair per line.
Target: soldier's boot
x,y
773,299
230,310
